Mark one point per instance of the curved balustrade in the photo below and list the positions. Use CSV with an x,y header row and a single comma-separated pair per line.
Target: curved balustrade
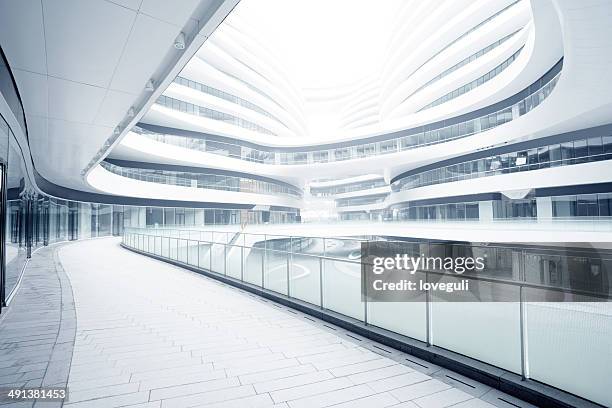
x,y
203,180
568,153
410,139
529,285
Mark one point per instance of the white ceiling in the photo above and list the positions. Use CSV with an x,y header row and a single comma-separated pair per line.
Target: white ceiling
x,y
80,65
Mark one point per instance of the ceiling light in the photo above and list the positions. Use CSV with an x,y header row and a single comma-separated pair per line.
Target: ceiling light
x,y
150,86
179,43
131,113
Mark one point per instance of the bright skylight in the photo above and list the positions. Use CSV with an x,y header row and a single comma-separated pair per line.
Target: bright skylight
x,y
323,43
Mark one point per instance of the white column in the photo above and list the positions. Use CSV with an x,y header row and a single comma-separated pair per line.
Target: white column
x,y
485,210
544,207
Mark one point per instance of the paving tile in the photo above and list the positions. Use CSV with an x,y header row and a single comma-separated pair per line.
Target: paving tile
x,y
112,402
293,381
381,400
332,398
310,389
418,390
207,398
443,399
380,373
274,374
398,381
193,388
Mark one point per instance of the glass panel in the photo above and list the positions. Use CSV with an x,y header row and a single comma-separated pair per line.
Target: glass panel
x,y
489,323
345,275
276,268
578,331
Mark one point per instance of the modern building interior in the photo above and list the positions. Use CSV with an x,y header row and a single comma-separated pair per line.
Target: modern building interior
x,y
189,189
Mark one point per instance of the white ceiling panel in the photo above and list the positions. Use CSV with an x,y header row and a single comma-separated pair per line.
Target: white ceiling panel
x,y
113,108
168,11
147,45
34,86
81,64
21,21
131,4
73,101
73,144
85,39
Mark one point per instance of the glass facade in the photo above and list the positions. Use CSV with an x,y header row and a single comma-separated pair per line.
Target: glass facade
x,y
414,138
475,83
347,202
190,108
203,180
578,151
583,205
223,95
463,63
453,211
347,188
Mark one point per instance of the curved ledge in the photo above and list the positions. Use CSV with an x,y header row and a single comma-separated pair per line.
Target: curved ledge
x,y
548,76
65,193
106,181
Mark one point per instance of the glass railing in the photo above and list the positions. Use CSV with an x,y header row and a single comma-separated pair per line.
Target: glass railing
x,y
475,83
355,201
192,109
531,287
202,180
421,138
347,188
586,150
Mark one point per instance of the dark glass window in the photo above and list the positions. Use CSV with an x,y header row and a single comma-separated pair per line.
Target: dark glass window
x,y
471,211
587,205
607,145
580,151
605,204
554,152
533,159
567,152
564,206
544,156
595,148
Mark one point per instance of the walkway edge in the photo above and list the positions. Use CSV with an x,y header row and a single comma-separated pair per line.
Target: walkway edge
x,y
527,390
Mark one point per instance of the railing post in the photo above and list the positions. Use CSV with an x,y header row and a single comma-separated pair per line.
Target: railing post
x,y
428,314
321,266
523,333
225,259
289,271
242,263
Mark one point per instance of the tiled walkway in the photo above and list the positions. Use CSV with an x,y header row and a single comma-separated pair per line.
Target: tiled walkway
x,y
37,330
153,335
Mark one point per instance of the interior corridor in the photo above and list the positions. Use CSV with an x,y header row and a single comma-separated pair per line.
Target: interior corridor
x,y
149,334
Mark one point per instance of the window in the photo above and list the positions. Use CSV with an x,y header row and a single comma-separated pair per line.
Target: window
x,y
555,155
605,204
564,206
544,156
595,148
567,153
521,158
607,146
580,151
587,205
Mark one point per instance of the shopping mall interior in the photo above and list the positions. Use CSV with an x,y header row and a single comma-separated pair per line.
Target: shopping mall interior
x,y
190,191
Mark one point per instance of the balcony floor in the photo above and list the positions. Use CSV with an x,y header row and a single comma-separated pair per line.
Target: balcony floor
x,y
149,334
